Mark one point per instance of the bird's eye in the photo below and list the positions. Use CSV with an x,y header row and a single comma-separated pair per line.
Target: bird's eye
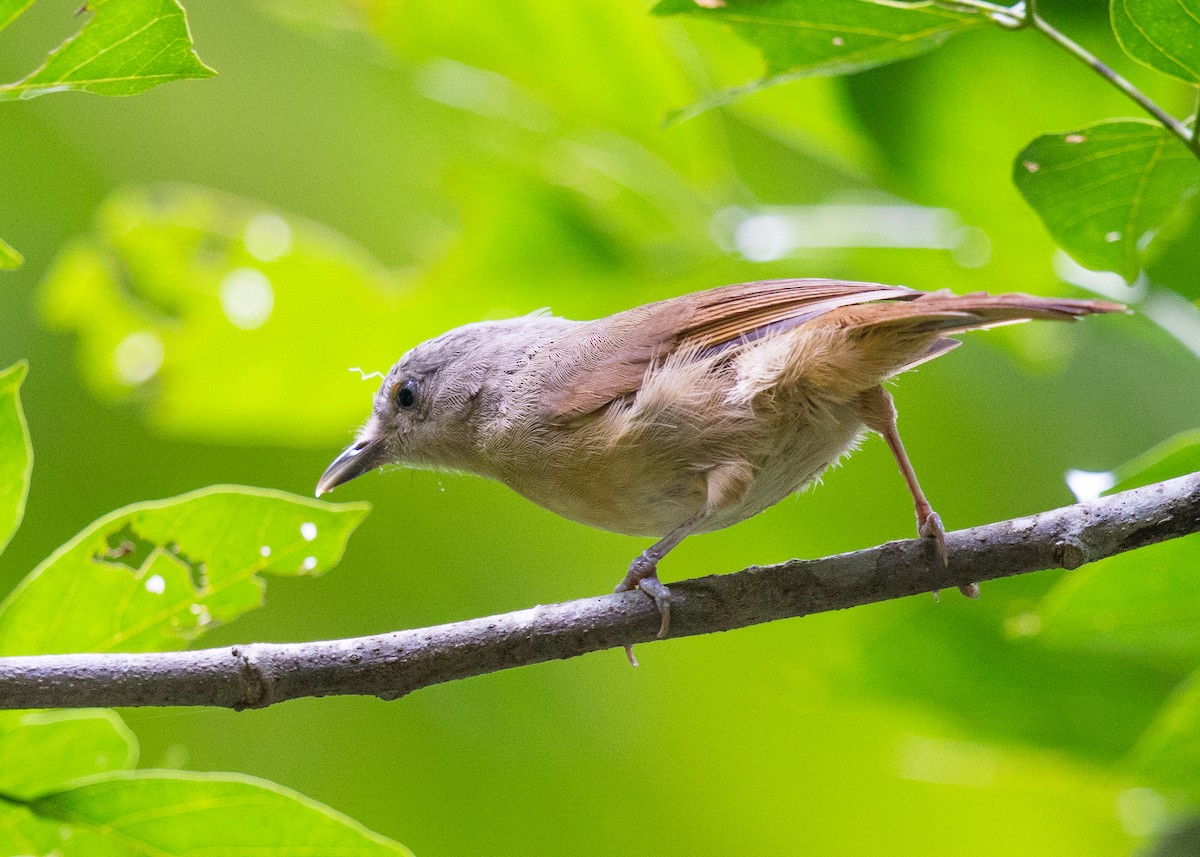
x,y
406,394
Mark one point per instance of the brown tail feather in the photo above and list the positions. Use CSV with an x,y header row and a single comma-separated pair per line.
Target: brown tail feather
x,y
944,312
888,337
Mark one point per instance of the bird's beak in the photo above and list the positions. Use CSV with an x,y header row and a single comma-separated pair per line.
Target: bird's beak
x,y
354,461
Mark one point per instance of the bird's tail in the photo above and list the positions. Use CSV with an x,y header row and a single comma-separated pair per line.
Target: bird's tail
x,y
871,342
947,313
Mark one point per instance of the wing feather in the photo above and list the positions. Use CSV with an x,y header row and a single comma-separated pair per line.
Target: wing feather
x,y
607,359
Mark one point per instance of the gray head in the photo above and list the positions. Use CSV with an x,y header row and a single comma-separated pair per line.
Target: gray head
x,y
424,411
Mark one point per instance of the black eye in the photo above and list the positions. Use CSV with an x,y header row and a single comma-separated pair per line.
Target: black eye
x,y
406,396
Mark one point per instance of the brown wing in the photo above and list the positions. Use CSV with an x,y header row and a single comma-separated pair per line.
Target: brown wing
x,y
608,358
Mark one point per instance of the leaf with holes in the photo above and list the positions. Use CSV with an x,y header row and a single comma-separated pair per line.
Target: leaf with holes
x,y
16,454
172,813
127,47
152,576
805,38
1104,190
10,259
1163,34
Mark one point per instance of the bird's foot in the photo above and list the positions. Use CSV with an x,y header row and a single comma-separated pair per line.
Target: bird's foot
x,y
930,527
643,575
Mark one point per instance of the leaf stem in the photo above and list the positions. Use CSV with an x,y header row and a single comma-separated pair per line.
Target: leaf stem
x,y
1179,129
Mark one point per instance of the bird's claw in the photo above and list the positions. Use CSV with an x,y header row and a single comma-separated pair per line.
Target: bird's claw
x,y
654,587
643,575
931,528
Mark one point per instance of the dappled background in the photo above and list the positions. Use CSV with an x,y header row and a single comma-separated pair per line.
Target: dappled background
x,y
215,268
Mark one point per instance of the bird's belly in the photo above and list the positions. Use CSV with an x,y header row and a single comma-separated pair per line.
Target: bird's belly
x,y
637,497
649,488
802,458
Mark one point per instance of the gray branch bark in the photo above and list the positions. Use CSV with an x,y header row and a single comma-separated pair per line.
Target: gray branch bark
x,y
392,665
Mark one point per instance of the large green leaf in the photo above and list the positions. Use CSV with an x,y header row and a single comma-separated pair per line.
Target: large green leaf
x,y
152,576
1101,190
167,813
16,454
1163,34
803,38
10,259
127,47
1145,603
43,751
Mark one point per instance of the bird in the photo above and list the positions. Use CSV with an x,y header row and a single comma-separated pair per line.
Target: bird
x,y
678,417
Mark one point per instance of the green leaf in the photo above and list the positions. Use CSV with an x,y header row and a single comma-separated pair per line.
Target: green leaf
x,y
1163,34
1171,265
10,10
43,751
23,833
169,813
127,47
1176,456
1169,749
1145,604
804,38
10,259
1103,189
152,576
16,453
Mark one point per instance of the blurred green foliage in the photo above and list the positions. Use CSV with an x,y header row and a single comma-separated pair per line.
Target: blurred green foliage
x,y
484,160
168,270
16,457
9,258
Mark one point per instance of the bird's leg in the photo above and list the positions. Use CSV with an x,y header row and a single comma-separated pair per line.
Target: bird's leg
x,y
879,414
725,485
643,572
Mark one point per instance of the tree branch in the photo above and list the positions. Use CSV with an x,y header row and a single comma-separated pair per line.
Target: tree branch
x,y
392,665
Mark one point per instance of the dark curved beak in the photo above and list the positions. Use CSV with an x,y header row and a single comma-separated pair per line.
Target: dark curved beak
x,y
353,462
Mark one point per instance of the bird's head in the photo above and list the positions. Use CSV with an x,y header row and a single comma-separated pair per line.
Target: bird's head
x,y
422,412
